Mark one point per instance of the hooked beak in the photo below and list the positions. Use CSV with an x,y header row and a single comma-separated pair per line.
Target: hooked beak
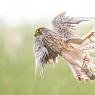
x,y
35,35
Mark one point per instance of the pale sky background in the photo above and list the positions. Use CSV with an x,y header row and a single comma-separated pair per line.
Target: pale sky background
x,y
14,10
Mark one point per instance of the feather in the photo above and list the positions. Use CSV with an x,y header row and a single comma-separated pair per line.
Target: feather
x,y
89,43
43,54
63,41
60,24
65,25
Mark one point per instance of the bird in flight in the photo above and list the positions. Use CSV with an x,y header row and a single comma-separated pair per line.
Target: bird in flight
x,y
63,41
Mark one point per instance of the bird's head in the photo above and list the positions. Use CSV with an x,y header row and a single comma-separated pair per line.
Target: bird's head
x,y
39,31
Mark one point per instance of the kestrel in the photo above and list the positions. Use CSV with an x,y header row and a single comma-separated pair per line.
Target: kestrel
x,y
63,41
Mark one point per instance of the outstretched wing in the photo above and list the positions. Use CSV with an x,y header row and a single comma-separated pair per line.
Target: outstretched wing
x,y
65,25
78,73
43,55
89,43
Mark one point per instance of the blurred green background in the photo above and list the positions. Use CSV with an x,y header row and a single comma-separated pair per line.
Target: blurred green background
x,y
17,65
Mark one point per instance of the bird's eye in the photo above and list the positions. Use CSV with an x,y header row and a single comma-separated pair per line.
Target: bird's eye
x,y
39,30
